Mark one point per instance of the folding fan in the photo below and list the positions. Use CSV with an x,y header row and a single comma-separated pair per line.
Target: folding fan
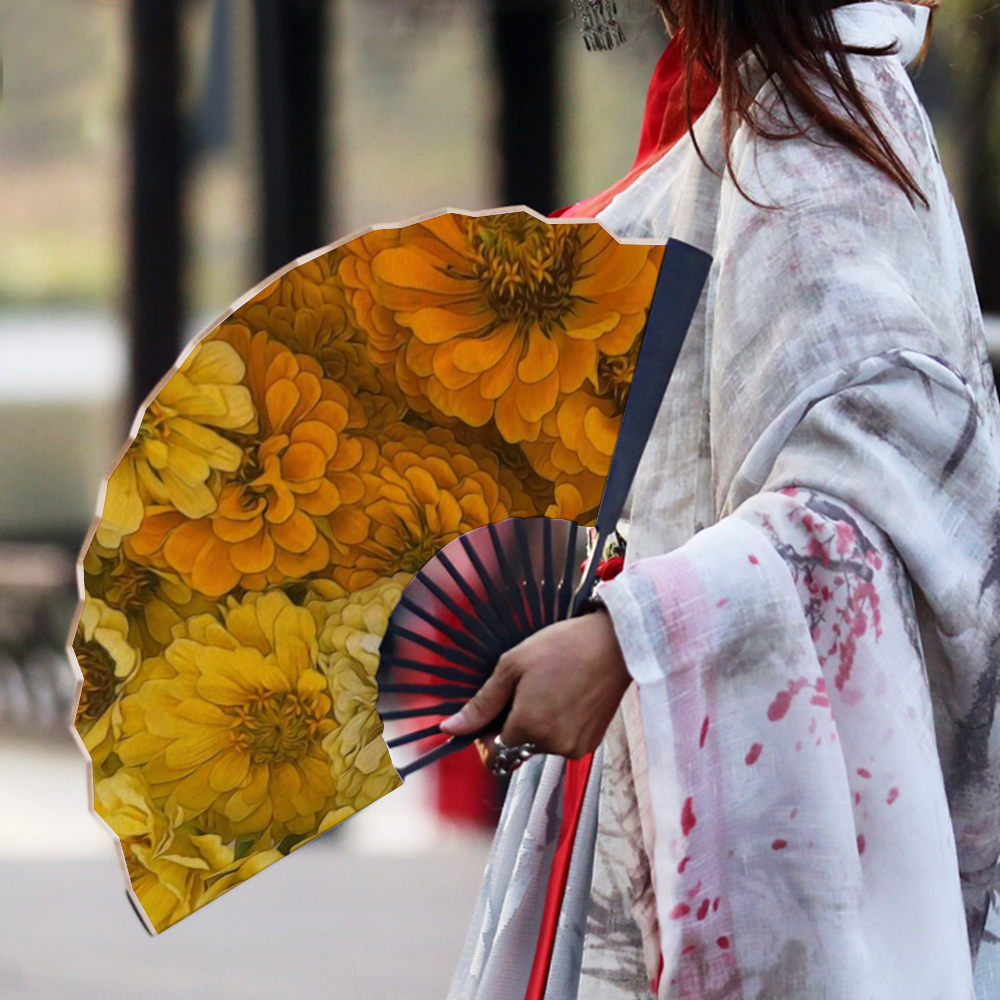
x,y
478,597
339,432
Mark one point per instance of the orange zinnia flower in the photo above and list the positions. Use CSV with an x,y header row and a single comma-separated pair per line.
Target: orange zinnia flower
x,y
300,469
426,491
576,445
578,437
355,272
306,310
496,318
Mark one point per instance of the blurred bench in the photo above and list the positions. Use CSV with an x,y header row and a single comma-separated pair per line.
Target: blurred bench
x,y
62,387
37,601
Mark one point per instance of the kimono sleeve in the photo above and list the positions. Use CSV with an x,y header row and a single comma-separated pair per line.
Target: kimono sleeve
x,y
819,657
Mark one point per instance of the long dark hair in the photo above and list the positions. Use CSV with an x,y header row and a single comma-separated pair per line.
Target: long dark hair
x,y
793,39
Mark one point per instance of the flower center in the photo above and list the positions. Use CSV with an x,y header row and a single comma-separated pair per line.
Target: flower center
x,y
275,729
99,681
418,553
130,586
526,267
251,468
614,376
156,422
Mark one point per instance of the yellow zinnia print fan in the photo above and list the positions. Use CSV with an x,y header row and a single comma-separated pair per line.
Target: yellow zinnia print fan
x,y
304,460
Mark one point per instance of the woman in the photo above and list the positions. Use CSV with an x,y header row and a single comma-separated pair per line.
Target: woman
x,y
798,795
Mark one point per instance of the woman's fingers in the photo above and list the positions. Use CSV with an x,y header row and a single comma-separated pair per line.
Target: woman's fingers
x,y
491,699
562,684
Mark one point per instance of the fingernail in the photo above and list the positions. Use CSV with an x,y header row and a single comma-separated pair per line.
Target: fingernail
x,y
453,721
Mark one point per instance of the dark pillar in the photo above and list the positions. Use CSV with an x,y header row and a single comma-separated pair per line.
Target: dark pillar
x,y
156,252
524,41
291,80
981,160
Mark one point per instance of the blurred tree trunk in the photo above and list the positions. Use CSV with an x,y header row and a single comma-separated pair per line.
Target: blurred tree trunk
x,y
524,43
981,156
156,243
291,53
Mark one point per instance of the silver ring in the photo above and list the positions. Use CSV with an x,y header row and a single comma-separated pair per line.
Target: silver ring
x,y
508,759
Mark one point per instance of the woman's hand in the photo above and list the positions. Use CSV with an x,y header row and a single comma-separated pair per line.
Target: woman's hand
x,y
565,681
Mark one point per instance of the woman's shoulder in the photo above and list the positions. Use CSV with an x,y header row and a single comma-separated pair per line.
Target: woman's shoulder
x,y
814,163
814,169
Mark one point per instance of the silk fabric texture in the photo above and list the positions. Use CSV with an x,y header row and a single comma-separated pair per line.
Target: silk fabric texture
x,y
799,796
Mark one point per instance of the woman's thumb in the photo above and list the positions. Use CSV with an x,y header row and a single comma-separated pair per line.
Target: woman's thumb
x,y
488,703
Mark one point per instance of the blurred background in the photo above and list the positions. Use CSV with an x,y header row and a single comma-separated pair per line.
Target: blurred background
x,y
159,159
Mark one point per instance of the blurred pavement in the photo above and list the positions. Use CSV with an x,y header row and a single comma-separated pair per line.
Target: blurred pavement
x,y
376,909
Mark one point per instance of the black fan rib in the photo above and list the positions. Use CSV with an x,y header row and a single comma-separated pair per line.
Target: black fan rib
x,y
442,709
457,636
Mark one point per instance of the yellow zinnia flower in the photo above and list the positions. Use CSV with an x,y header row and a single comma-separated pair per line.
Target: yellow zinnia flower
x,y
496,318
350,632
106,659
238,872
228,725
173,871
301,467
426,491
153,600
176,451
168,868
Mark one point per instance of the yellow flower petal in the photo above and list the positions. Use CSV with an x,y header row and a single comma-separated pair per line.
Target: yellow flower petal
x,y
230,771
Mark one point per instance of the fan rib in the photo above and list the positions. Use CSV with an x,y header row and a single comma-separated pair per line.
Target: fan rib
x,y
530,584
451,746
434,670
515,599
460,639
419,734
476,626
445,708
514,635
565,585
486,610
443,690
548,584
455,656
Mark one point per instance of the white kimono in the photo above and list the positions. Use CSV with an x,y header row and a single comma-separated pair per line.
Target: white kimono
x,y
800,796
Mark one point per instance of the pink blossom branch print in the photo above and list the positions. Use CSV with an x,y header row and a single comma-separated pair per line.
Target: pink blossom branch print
x,y
842,608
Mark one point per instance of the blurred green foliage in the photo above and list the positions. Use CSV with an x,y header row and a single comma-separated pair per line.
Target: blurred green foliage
x,y
64,62
411,124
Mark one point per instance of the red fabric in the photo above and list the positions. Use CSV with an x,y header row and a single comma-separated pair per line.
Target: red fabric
x,y
610,568
574,785
663,124
465,790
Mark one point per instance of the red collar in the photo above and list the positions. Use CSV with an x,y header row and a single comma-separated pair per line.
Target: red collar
x,y
663,122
